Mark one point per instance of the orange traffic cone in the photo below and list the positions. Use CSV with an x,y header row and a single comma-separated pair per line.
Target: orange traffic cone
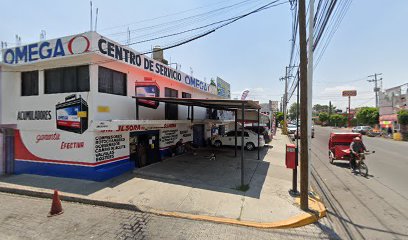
x,y
56,207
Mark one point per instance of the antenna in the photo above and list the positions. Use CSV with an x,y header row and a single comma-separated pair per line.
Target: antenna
x,y
128,36
91,15
96,18
191,71
43,35
18,40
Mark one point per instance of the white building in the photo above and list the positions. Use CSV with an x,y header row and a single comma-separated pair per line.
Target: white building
x,y
69,103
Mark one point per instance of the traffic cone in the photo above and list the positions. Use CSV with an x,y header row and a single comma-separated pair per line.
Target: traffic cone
x,y
56,207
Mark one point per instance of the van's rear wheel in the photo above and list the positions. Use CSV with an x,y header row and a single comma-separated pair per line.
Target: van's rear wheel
x,y
250,146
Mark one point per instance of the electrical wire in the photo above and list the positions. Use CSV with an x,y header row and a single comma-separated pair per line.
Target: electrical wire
x,y
264,7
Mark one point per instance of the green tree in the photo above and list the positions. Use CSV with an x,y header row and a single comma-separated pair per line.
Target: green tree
x,y
323,117
338,120
317,108
279,117
368,116
320,108
403,117
403,121
292,111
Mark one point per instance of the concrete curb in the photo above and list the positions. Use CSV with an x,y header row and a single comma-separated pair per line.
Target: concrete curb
x,y
318,210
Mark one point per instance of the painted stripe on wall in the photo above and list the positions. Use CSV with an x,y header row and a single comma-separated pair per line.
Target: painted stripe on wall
x,y
95,173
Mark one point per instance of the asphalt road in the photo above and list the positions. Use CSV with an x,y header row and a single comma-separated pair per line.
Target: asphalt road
x,y
373,207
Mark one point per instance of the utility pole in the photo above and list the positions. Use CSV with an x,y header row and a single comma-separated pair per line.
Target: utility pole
x,y
376,88
285,95
304,158
330,111
281,105
309,85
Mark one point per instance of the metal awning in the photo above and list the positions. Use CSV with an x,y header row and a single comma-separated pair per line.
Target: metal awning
x,y
218,104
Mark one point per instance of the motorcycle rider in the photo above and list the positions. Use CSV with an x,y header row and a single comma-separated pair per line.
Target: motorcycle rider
x,y
356,147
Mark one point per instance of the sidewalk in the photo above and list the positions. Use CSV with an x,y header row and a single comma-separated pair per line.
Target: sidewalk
x,y
191,187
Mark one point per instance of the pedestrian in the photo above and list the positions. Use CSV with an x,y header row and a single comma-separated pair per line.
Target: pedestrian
x,y
389,130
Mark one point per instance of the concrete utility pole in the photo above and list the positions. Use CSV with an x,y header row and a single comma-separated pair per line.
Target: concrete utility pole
x,y
285,95
309,85
304,158
376,88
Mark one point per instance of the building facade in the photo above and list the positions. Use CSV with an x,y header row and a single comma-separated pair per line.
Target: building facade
x,y
391,101
69,102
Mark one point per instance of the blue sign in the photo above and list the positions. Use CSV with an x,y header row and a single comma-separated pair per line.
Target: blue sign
x,y
33,52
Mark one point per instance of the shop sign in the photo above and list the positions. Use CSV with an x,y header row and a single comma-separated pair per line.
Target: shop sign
x,y
223,88
349,93
47,49
139,60
34,115
107,146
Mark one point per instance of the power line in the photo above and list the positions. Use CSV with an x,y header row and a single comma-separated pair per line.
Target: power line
x,y
186,31
193,18
196,37
336,24
164,16
325,27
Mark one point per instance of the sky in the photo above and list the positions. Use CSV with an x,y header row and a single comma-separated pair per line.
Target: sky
x,y
249,54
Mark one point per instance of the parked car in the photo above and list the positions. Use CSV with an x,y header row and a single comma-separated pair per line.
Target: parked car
x,y
291,128
264,131
250,139
297,135
361,129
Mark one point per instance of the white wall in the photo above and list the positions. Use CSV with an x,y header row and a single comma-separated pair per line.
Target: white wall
x,y
9,96
124,107
120,107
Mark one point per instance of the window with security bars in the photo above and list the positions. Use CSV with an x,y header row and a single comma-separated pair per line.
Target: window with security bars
x,y
171,110
112,82
185,95
67,79
29,83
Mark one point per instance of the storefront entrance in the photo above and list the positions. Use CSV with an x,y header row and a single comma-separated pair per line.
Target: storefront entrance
x,y
6,151
198,135
144,148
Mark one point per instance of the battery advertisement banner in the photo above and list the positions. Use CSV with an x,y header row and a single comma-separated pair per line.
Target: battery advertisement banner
x,y
147,89
72,115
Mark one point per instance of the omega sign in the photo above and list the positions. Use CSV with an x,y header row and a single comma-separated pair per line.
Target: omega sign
x,y
48,49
